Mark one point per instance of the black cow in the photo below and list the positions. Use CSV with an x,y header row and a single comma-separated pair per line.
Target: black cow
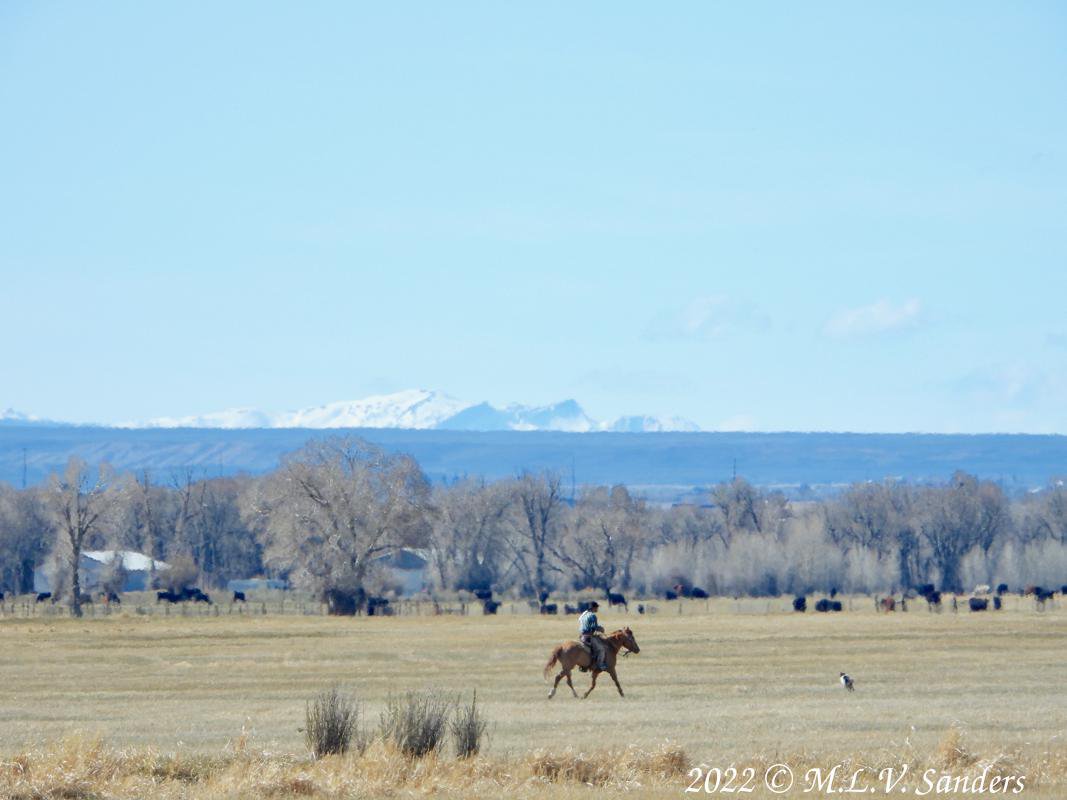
x,y
569,609
42,596
933,598
168,596
835,605
978,603
483,594
549,608
200,597
669,595
640,608
1063,589
824,605
239,597
1041,595
617,600
543,597
833,592
111,597
379,607
1002,588
490,606
698,593
800,604
925,589
997,603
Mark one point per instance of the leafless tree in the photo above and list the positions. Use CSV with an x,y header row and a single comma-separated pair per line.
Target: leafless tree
x,y
600,537
467,534
23,537
334,506
538,504
80,504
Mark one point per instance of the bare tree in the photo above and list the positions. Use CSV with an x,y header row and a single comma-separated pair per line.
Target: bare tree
x,y
333,507
24,542
80,504
467,534
535,526
600,538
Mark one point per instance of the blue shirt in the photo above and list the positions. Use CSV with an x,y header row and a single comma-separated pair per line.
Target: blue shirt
x,y
587,623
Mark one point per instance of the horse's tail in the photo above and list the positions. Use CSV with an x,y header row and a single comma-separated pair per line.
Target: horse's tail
x,y
552,661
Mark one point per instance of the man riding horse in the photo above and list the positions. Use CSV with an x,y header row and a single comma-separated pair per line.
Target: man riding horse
x,y
588,629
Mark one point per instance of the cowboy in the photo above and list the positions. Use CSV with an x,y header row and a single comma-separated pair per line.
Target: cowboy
x,y
588,628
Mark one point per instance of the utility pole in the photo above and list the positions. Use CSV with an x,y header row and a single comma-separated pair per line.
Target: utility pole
x,y
735,469
572,479
23,467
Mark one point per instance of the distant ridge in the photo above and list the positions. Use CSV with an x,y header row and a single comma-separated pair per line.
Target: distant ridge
x,y
412,409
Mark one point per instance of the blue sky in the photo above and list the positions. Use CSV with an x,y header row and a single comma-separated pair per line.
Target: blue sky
x,y
760,216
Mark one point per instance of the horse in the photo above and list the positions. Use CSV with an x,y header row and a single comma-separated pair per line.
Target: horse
x,y
573,654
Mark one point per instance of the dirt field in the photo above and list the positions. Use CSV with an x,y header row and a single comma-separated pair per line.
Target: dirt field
x,y
727,682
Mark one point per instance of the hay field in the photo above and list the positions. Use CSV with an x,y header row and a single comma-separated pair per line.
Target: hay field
x,y
727,682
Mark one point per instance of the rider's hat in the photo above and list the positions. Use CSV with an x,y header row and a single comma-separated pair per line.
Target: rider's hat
x,y
594,604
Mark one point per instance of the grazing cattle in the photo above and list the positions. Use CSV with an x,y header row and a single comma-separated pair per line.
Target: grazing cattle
x,y
379,607
824,605
887,604
170,597
484,594
1041,595
198,596
1002,588
42,596
978,603
1,597
800,604
1029,590
640,607
542,597
833,592
490,606
549,608
569,609
681,590
111,597
925,589
669,595
933,599
997,603
698,593
835,605
617,600
1063,589
239,597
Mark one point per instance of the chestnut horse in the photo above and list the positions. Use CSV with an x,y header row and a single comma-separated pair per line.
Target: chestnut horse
x,y
574,654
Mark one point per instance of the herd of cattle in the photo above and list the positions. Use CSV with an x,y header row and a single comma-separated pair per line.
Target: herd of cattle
x,y
979,599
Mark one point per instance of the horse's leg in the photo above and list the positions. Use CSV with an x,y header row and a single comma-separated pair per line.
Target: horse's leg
x,y
591,685
571,684
556,684
615,678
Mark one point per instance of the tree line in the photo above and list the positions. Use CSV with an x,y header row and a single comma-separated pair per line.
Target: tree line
x,y
326,517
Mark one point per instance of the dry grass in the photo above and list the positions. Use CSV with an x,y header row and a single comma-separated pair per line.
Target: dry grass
x,y
211,707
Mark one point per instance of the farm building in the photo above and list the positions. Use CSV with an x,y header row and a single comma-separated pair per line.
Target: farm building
x,y
407,566
94,566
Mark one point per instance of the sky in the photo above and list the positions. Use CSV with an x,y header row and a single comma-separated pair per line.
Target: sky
x,y
819,216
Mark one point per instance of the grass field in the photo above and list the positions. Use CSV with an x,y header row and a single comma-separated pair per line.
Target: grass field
x,y
745,683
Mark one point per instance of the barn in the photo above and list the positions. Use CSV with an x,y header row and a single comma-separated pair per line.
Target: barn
x,y
94,566
407,566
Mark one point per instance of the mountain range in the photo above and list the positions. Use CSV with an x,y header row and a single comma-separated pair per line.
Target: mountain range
x,y
417,409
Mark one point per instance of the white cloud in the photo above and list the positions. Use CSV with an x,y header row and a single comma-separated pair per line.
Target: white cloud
x,y
706,317
879,317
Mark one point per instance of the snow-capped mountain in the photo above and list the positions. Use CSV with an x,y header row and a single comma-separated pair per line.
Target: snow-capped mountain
x,y
646,424
12,417
414,408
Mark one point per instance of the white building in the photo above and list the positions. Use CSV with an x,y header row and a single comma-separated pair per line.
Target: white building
x,y
407,566
94,566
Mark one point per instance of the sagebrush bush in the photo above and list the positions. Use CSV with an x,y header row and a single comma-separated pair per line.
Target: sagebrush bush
x,y
468,726
415,722
332,724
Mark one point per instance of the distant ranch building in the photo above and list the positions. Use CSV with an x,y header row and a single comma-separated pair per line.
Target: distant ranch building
x,y
94,566
407,567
